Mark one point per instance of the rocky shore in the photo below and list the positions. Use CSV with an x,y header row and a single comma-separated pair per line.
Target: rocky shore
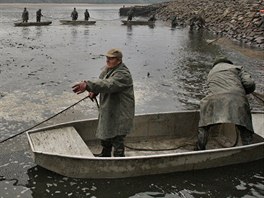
x,y
239,20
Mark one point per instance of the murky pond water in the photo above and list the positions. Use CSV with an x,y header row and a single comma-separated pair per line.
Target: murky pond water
x,y
40,64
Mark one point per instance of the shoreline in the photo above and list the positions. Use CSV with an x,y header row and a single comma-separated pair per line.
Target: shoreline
x,y
245,50
238,20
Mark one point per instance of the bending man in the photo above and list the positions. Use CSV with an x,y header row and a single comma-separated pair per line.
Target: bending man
x,y
226,102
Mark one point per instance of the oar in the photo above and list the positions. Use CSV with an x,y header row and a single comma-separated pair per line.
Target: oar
x,y
44,120
16,21
209,42
259,97
49,17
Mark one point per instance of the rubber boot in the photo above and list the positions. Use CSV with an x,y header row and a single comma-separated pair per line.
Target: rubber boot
x,y
106,152
120,152
245,134
119,147
202,138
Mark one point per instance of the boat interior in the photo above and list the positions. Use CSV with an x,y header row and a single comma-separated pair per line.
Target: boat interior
x,y
177,133
158,145
153,134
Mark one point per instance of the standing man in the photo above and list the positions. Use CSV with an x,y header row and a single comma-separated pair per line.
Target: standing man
x,y
117,103
74,14
261,24
152,18
174,22
130,14
226,102
86,15
25,15
38,15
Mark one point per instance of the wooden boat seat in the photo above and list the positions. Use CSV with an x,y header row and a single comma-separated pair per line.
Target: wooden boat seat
x,y
61,141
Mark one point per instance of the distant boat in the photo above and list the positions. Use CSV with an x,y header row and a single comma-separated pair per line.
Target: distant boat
x,y
138,22
33,23
70,22
160,143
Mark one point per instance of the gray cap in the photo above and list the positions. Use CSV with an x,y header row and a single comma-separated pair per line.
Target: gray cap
x,y
114,53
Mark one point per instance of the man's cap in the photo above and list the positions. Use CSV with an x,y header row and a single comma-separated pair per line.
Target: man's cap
x,y
114,53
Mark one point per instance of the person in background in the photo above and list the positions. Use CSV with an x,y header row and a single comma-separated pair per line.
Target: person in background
x,y
38,15
25,15
130,14
152,18
117,103
261,24
86,15
74,14
226,101
174,21
197,21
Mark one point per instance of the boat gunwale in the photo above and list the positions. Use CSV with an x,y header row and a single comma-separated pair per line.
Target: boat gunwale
x,y
137,22
77,22
25,24
93,119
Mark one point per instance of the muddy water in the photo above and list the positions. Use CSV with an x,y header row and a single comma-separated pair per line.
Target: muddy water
x,y
40,64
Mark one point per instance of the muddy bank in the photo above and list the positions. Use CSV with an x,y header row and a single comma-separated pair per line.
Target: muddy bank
x,y
239,20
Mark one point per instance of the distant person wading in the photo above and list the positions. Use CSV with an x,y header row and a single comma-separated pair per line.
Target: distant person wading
x,y
86,15
38,15
74,14
25,15
130,14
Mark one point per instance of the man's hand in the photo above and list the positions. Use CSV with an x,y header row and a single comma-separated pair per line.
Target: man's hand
x,y
79,87
92,95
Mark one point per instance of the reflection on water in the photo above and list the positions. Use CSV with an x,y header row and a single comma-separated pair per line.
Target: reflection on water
x,y
25,32
38,31
169,67
74,33
197,42
220,182
86,31
129,30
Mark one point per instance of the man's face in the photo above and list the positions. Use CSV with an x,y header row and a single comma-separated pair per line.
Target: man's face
x,y
112,62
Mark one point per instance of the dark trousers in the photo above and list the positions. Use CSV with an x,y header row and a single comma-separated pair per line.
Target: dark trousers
x,y
117,142
203,133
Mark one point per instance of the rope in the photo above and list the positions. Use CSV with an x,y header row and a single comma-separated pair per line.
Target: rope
x,y
166,149
44,120
259,97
